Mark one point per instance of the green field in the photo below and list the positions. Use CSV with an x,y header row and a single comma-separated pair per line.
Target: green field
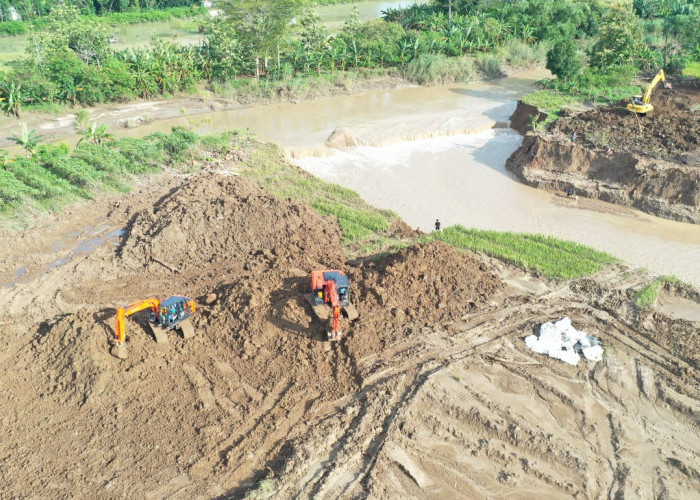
x,y
692,69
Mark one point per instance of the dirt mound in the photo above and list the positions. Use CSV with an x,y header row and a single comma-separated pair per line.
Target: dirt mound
x,y
651,163
70,355
670,129
216,217
416,287
522,118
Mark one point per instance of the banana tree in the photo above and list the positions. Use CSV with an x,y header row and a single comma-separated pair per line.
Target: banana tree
x,y
28,139
11,97
96,134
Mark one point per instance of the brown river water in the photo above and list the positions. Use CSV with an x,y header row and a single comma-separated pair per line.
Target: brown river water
x,y
439,152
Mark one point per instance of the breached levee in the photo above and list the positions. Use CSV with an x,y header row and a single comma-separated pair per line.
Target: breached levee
x,y
604,162
657,187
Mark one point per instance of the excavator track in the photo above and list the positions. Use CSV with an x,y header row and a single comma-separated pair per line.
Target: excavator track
x,y
187,329
160,334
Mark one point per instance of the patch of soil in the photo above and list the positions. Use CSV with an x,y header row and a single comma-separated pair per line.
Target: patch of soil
x,y
669,130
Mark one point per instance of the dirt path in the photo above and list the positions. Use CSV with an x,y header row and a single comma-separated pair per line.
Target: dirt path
x,y
430,394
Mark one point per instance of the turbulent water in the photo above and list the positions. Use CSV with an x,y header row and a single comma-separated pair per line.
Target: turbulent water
x,y
462,180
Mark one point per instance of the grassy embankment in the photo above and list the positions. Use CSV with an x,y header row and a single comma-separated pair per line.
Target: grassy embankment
x,y
648,295
54,176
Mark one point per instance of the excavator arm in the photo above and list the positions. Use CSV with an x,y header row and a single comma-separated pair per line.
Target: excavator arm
x,y
647,93
123,312
331,296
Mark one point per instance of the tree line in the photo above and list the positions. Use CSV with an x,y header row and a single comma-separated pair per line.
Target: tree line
x,y
71,61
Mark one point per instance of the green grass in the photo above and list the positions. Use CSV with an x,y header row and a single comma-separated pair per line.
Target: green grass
x,y
429,69
648,295
692,69
544,255
358,220
54,175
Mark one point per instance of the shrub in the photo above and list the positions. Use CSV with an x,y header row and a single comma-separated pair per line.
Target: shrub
x,y
12,190
142,155
429,69
102,158
45,184
12,28
489,66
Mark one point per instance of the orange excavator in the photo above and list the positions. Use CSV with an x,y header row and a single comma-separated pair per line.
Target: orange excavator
x,y
172,313
331,287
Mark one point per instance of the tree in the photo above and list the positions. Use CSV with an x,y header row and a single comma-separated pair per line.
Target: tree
x,y
260,24
563,60
28,139
96,134
66,30
619,41
313,36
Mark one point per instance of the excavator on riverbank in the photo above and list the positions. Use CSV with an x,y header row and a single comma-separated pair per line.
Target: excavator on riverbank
x,y
641,104
332,287
172,313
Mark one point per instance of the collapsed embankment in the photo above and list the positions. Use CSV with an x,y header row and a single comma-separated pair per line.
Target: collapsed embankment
x,y
649,163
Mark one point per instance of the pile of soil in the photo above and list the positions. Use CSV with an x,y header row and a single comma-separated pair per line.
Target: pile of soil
x,y
651,164
669,130
213,218
431,368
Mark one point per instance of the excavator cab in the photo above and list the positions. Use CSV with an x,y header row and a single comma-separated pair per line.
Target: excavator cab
x,y
331,287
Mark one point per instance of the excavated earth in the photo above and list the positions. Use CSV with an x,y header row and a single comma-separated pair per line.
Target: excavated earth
x,y
653,164
430,394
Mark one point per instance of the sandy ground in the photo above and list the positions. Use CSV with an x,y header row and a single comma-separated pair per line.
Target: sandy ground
x,y
431,394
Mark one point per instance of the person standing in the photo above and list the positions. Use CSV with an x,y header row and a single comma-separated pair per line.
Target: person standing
x,y
437,224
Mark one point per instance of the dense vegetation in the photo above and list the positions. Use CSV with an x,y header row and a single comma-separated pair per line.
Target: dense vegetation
x,y
595,50
31,10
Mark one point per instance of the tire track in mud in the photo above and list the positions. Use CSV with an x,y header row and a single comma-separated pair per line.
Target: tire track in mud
x,y
595,467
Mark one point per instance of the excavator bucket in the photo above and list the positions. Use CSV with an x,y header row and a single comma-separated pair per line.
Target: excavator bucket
x,y
119,351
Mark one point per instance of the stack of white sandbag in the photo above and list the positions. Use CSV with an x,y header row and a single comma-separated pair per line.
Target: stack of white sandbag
x,y
562,341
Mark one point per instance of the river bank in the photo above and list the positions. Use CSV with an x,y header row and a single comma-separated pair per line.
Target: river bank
x,y
646,162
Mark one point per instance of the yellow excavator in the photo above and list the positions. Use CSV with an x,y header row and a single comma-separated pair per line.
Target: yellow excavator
x,y
640,104
172,313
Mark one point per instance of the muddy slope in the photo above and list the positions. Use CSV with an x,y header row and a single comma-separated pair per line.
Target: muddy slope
x,y
429,394
653,163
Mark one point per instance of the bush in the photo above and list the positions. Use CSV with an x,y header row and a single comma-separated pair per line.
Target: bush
x,y
430,69
489,66
12,28
142,155
102,158
12,190
45,184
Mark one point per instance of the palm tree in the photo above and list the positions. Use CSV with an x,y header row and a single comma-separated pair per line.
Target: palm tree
x,y
28,139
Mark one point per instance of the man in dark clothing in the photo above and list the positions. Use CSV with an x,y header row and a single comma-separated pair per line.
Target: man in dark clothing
x,y
437,225
570,192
